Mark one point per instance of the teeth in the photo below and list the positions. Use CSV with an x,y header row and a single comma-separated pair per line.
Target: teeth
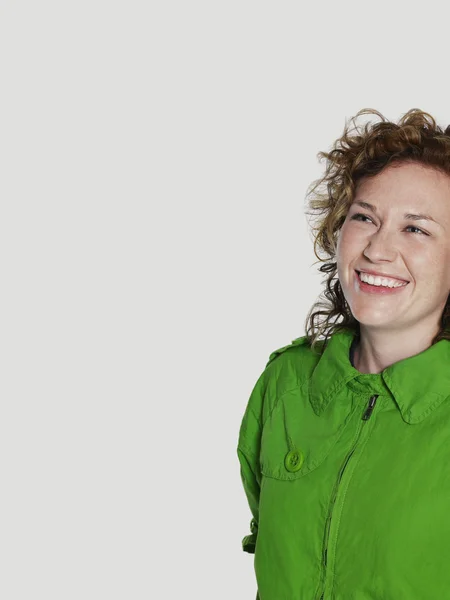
x,y
381,281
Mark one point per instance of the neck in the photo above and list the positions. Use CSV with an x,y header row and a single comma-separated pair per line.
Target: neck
x,y
377,350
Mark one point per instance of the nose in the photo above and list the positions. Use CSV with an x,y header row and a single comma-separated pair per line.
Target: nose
x,y
381,247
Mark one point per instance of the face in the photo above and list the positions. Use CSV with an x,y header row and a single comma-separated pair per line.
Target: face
x,y
381,239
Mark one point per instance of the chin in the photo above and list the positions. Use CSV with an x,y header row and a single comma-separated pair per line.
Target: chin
x,y
380,324
381,320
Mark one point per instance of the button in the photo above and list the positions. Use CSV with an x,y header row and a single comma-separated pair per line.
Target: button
x,y
293,460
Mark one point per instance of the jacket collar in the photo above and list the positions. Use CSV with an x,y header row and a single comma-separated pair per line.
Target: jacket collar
x,y
418,384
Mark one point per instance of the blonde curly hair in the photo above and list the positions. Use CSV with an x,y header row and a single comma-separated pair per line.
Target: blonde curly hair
x,y
363,151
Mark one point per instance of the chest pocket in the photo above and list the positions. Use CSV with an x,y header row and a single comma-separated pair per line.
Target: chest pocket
x,y
295,440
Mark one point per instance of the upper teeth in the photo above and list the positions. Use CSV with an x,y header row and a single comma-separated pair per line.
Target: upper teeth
x,y
385,281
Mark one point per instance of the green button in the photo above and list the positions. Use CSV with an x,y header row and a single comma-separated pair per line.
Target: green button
x,y
293,461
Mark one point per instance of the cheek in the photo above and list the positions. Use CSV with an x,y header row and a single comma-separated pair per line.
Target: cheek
x,y
433,266
429,266
348,243
344,254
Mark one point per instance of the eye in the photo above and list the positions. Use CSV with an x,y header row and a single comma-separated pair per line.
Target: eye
x,y
356,217
419,230
361,216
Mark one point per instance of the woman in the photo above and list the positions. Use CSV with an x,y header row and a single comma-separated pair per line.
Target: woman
x,y
344,447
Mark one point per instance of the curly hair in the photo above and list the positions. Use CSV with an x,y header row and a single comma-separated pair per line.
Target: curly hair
x,y
363,151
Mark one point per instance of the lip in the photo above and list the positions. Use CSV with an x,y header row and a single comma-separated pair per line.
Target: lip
x,y
378,290
375,274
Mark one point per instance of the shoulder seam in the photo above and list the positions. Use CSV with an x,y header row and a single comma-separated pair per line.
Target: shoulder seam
x,y
300,341
245,450
277,400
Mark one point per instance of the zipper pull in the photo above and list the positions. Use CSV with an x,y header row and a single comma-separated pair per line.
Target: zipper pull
x,y
370,407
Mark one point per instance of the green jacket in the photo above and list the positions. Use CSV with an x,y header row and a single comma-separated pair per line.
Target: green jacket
x,y
347,475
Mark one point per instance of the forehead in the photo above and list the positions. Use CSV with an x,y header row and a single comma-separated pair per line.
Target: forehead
x,y
408,186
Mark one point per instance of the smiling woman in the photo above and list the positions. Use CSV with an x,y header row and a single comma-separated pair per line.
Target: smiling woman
x,y
345,442
381,242
400,174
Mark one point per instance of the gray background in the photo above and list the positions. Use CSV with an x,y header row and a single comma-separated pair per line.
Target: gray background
x,y
153,252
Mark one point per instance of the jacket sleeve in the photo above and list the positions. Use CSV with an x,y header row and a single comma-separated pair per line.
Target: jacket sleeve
x,y
251,480
248,450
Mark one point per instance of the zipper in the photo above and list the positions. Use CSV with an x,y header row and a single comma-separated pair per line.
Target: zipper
x,y
369,409
365,417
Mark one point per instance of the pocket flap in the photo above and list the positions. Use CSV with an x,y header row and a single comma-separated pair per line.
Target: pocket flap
x,y
295,440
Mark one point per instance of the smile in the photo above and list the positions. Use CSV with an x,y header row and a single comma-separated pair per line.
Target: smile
x,y
379,285
380,281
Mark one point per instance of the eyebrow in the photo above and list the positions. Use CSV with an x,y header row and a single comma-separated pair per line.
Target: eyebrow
x,y
420,217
